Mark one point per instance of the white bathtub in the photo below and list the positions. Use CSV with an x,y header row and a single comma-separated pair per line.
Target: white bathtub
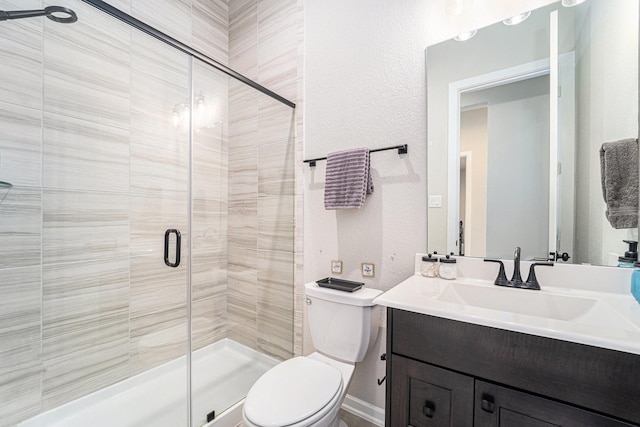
x,y
222,375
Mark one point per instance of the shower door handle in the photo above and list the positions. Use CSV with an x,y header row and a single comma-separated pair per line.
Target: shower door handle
x,y
166,247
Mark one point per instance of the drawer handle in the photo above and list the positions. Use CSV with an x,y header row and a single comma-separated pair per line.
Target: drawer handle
x,y
487,403
429,409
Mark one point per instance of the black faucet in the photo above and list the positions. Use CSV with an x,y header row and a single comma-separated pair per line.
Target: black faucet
x,y
516,279
532,281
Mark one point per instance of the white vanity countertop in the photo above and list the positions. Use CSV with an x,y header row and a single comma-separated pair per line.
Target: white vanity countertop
x,y
608,319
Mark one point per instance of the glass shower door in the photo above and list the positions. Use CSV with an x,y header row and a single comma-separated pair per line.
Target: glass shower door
x,y
115,180
209,200
242,247
92,144
159,229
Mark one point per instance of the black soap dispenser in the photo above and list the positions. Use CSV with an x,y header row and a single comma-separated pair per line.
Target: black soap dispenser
x,y
630,256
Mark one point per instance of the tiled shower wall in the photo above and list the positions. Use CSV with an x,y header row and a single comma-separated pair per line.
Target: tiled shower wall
x,y
265,45
81,287
99,173
260,39
262,44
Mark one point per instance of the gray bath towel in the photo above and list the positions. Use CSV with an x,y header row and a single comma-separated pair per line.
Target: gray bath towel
x,y
619,173
347,179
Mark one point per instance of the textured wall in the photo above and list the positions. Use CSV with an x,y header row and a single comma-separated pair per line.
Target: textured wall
x,y
365,86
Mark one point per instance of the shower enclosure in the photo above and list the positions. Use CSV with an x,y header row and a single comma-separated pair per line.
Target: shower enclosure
x,y
146,226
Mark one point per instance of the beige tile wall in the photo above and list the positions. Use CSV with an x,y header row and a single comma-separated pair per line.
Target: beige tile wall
x,y
262,233
20,218
99,173
86,300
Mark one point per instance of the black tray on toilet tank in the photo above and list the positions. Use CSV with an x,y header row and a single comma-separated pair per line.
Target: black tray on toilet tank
x,y
339,284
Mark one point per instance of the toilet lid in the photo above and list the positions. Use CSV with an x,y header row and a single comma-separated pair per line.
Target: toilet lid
x,y
291,392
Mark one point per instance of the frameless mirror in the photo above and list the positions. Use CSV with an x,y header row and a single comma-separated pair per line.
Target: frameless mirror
x,y
516,118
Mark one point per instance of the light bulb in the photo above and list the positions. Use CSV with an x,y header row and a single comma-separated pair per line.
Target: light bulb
x,y
200,103
571,3
465,36
175,117
515,20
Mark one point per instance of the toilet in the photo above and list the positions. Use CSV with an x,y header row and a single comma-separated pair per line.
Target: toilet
x,y
308,391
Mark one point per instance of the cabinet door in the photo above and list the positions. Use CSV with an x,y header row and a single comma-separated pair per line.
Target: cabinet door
x,y
426,396
504,407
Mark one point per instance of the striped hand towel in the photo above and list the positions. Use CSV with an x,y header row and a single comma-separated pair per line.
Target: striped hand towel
x,y
347,179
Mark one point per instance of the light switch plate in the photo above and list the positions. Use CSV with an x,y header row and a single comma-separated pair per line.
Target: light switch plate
x,y
435,201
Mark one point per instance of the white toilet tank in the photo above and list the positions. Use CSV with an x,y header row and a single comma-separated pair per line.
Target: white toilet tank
x,y
343,325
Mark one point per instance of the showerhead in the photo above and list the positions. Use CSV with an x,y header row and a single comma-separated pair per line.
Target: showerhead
x,y
55,13
61,14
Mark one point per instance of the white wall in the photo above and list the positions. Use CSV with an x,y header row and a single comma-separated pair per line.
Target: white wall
x,y
365,86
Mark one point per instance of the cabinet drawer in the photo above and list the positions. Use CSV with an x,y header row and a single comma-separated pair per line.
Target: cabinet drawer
x,y
426,396
503,407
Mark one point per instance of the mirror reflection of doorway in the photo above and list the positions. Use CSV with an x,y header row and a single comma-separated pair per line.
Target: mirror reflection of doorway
x,y
473,179
504,195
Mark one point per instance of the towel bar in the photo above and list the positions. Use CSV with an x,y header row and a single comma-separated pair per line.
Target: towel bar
x,y
402,149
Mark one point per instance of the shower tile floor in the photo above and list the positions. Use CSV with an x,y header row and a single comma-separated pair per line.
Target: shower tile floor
x,y
222,375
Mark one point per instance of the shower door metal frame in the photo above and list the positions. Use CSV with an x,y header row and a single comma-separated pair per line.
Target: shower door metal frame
x,y
136,23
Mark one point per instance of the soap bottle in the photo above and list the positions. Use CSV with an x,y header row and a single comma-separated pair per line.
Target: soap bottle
x,y
630,256
635,281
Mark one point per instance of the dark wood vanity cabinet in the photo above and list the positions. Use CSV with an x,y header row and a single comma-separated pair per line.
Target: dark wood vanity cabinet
x,y
430,396
442,372
501,406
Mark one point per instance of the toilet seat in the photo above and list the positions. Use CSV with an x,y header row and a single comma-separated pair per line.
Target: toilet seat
x,y
298,391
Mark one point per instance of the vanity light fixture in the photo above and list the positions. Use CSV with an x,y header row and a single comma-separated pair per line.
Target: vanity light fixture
x,y
515,20
465,36
571,3
180,115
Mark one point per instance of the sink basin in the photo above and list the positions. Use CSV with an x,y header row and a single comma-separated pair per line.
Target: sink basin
x,y
592,307
521,301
